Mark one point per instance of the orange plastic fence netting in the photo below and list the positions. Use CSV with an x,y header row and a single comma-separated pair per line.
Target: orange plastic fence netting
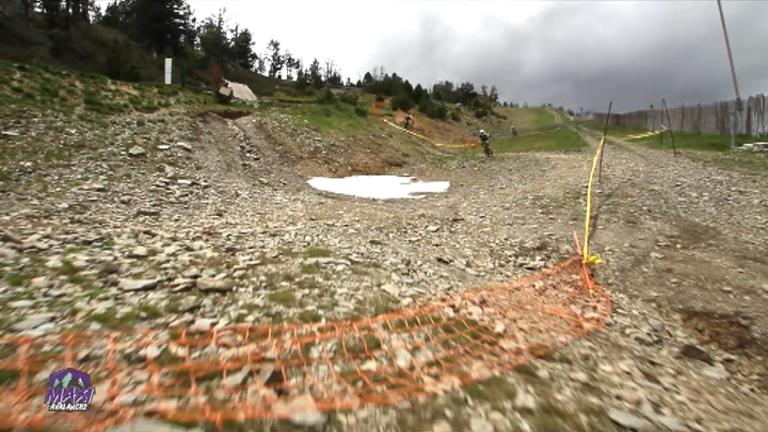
x,y
240,373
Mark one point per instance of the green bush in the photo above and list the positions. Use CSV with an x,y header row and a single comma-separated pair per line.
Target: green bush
x,y
481,112
439,112
121,63
61,43
432,109
326,97
380,98
362,112
402,102
96,102
49,90
149,106
349,98
455,116
168,90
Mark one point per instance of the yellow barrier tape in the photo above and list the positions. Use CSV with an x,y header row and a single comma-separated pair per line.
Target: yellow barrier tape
x,y
643,135
591,259
427,139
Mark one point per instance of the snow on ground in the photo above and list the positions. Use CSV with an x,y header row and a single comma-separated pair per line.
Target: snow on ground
x,y
378,186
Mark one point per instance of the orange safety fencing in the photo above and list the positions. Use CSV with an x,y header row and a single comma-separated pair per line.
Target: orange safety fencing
x,y
240,373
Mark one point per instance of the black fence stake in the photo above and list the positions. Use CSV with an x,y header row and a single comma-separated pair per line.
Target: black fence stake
x,y
605,137
669,123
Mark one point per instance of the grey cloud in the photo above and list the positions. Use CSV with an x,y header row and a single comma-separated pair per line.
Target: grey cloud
x,y
582,54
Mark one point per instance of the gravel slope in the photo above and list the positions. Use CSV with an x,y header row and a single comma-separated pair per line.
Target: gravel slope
x,y
214,221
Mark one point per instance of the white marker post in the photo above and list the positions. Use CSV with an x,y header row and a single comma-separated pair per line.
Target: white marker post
x,y
168,70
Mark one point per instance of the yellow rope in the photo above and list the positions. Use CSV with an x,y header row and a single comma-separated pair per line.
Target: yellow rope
x,y
427,139
591,259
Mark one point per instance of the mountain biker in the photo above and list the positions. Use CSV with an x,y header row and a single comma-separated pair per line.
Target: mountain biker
x,y
408,121
485,142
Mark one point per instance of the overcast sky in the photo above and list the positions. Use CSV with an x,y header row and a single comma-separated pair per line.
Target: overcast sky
x,y
577,54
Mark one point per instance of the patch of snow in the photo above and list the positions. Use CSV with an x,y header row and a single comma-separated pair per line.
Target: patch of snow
x,y
378,187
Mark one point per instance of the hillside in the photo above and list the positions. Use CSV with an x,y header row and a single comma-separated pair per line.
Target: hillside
x,y
320,137
136,208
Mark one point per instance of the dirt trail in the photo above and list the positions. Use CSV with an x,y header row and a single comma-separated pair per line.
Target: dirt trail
x,y
708,222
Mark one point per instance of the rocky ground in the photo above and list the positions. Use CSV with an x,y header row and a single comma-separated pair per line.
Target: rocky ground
x,y
171,220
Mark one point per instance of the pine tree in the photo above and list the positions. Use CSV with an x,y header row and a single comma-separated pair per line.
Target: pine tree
x,y
241,48
315,78
213,39
494,94
162,25
52,11
276,59
331,75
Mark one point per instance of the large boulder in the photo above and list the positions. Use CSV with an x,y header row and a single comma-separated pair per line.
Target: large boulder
x,y
241,91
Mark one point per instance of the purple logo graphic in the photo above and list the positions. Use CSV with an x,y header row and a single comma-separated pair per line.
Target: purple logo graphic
x,y
69,390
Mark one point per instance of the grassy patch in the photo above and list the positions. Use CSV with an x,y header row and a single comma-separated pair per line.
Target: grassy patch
x,y
150,311
683,140
69,271
493,390
310,268
338,117
73,249
56,154
309,316
94,293
172,307
377,305
529,118
67,268
560,138
16,279
543,422
111,320
101,104
613,132
746,162
285,298
53,88
359,271
695,141
317,252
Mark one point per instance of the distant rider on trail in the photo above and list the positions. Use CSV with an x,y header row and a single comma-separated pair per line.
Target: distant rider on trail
x,y
485,142
408,121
